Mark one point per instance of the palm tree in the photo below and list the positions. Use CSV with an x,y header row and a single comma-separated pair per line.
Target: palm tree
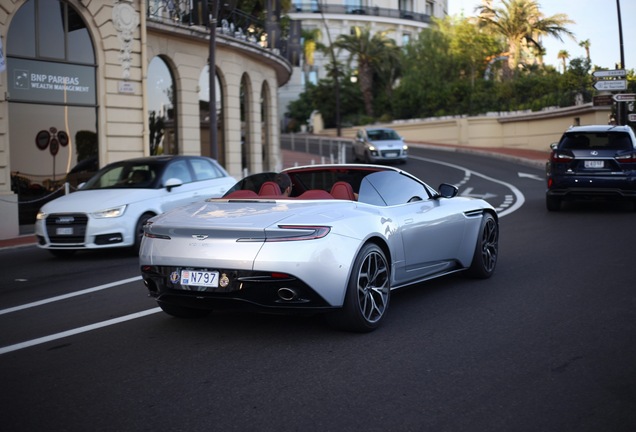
x,y
521,23
311,44
563,56
586,45
370,52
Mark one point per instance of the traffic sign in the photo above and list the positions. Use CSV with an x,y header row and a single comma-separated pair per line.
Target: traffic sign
x,y
611,85
609,73
632,117
624,97
602,100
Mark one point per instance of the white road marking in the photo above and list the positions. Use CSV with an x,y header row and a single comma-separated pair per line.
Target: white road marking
x,y
69,295
38,341
520,199
530,176
21,345
468,193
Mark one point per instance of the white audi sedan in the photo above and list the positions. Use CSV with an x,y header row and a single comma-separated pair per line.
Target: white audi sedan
x,y
111,208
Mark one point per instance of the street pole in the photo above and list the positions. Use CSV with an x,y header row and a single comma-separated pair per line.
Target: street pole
x,y
620,106
336,72
211,18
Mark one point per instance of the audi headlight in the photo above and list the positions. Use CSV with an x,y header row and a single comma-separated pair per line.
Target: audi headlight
x,y
110,213
41,215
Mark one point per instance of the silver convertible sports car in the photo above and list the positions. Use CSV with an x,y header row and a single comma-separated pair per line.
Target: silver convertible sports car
x,y
339,243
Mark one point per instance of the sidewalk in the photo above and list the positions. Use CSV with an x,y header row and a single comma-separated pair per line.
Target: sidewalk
x,y
532,158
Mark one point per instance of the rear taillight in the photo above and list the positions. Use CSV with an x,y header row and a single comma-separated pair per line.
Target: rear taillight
x,y
558,157
627,158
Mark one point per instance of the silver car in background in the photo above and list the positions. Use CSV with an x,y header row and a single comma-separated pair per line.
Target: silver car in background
x,y
345,237
374,145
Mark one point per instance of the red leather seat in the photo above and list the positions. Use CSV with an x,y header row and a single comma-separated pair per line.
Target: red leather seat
x,y
242,193
342,190
269,188
315,194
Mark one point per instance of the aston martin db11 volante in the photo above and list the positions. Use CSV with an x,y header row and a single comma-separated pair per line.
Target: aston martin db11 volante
x,y
339,243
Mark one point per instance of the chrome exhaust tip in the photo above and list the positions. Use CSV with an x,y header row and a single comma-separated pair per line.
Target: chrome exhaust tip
x,y
287,294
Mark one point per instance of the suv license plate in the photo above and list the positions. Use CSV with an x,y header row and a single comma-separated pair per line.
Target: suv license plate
x,y
593,164
200,278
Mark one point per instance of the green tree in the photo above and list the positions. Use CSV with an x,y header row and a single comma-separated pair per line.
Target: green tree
x,y
471,48
311,44
563,55
586,46
522,24
370,52
428,74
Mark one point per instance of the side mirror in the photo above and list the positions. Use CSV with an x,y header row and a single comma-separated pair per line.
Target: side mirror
x,y
172,183
447,190
554,145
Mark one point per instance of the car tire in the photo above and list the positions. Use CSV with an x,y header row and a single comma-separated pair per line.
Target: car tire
x,y
553,203
183,312
368,292
139,231
486,249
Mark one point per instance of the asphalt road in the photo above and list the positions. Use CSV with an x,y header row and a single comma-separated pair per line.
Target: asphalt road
x,y
547,344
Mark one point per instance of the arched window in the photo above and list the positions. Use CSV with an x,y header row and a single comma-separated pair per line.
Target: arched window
x,y
245,106
265,114
204,115
52,94
162,116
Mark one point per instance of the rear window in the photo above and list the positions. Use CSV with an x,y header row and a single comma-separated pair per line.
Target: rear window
x,y
382,135
596,141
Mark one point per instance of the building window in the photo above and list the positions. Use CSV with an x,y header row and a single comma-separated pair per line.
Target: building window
x,y
430,8
405,5
162,118
51,91
406,39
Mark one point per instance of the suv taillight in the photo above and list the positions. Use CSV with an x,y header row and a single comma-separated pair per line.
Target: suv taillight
x,y
627,158
559,157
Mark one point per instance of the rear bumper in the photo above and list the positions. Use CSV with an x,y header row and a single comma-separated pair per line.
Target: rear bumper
x,y
254,290
618,187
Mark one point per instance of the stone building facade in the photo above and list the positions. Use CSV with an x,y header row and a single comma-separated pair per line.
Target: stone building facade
x,y
106,80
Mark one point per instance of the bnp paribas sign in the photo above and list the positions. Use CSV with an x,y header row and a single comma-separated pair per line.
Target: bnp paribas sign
x,y
50,82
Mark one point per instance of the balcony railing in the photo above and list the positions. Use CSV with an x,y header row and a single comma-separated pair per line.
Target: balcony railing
x,y
316,7
230,22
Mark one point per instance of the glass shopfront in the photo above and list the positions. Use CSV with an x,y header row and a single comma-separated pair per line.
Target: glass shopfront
x,y
52,98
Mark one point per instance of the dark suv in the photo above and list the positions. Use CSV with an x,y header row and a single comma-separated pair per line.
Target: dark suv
x,y
592,162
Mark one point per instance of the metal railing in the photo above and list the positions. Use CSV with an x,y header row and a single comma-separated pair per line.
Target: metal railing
x,y
317,7
230,21
329,149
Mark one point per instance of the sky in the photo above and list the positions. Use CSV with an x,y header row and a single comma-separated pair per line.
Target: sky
x,y
595,20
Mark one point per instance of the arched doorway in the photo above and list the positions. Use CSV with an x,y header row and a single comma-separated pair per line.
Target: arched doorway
x,y
51,69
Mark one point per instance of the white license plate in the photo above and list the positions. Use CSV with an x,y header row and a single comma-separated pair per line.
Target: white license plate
x,y
593,164
391,154
64,231
200,278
